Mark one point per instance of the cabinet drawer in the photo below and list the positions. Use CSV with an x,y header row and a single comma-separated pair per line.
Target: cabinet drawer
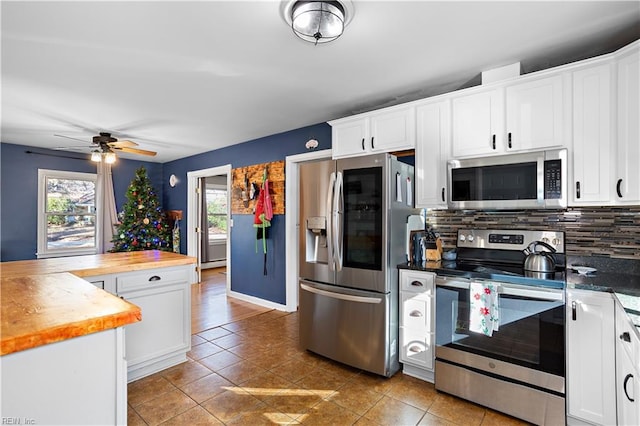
x,y
150,278
417,282
416,311
416,348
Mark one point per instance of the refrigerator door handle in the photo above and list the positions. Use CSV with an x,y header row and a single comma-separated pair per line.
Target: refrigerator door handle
x,y
341,296
338,226
330,235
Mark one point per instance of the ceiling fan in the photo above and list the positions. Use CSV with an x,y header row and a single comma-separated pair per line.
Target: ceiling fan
x,y
106,146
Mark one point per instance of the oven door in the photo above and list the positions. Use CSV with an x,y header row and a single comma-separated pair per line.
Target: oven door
x,y
530,333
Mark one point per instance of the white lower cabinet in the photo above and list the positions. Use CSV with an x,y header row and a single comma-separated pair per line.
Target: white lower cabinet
x,y
590,355
79,381
627,370
417,290
163,337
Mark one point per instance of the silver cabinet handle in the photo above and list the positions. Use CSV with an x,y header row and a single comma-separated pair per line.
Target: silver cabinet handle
x,y
415,313
155,278
417,284
415,349
574,309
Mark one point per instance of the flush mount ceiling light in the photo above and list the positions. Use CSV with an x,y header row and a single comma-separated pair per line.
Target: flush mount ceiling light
x,y
317,21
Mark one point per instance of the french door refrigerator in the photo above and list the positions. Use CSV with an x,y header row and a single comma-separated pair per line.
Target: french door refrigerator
x,y
353,215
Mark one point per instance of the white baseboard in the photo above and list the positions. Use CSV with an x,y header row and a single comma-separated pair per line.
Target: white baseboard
x,y
417,372
258,301
217,264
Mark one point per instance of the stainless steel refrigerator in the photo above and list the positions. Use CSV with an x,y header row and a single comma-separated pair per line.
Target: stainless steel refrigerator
x,y
353,215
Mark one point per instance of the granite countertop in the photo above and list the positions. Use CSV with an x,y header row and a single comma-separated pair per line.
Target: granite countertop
x,y
46,300
618,276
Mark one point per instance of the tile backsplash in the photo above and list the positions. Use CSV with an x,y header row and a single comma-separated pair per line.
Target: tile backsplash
x,y
589,231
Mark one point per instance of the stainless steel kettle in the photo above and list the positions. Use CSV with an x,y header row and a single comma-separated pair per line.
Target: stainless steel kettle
x,y
539,261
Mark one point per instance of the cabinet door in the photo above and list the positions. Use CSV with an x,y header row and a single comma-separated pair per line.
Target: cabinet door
x,y
393,130
590,354
628,388
165,326
627,368
432,152
628,172
592,142
534,114
350,138
477,124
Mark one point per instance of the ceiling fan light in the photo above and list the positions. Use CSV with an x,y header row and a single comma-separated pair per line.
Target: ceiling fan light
x,y
96,156
317,21
110,158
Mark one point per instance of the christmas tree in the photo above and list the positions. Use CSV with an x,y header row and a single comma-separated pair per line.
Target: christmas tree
x,y
143,224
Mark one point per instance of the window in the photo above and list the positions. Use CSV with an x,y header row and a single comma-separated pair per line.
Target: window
x,y
66,213
217,212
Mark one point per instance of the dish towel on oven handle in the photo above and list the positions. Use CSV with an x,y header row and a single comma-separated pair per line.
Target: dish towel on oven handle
x,y
483,308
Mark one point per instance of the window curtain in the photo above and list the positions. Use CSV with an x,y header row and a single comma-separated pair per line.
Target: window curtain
x,y
204,222
107,214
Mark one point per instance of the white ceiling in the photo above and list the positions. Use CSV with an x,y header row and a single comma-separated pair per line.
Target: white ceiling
x,y
183,78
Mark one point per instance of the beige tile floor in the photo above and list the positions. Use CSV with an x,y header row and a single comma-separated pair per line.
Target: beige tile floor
x,y
248,370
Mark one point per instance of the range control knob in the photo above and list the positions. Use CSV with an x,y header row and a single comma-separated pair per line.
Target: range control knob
x,y
462,238
470,238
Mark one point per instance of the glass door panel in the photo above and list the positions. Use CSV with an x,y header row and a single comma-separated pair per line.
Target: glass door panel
x,y
363,214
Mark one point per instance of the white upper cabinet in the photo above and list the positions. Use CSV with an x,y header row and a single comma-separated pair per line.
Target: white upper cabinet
x,y
477,124
519,117
627,182
390,129
432,152
592,139
534,114
350,137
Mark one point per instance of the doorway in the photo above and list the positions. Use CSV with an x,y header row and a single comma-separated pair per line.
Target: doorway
x,y
209,219
292,222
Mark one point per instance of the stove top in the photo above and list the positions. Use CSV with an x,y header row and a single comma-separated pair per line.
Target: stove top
x,y
500,254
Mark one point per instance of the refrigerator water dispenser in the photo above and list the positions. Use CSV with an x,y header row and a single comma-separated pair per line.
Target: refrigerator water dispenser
x,y
316,250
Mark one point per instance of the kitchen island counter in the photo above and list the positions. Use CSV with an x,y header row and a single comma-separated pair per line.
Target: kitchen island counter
x,y
96,264
42,309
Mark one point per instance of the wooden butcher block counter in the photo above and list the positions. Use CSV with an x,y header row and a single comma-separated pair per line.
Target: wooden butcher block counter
x,y
75,330
98,264
42,309
44,301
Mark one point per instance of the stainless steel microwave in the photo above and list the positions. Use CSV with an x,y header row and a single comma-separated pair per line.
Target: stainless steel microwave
x,y
528,180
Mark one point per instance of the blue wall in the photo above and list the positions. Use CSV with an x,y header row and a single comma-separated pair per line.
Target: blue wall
x,y
247,265
18,202
18,197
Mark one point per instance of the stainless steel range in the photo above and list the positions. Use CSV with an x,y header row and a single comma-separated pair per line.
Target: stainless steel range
x,y
500,328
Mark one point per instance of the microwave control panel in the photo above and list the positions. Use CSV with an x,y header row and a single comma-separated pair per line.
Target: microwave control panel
x,y
552,179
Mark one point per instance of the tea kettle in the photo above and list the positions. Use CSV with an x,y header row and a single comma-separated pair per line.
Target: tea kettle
x,y
539,261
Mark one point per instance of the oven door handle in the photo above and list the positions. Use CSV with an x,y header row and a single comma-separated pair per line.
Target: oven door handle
x,y
551,295
556,296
